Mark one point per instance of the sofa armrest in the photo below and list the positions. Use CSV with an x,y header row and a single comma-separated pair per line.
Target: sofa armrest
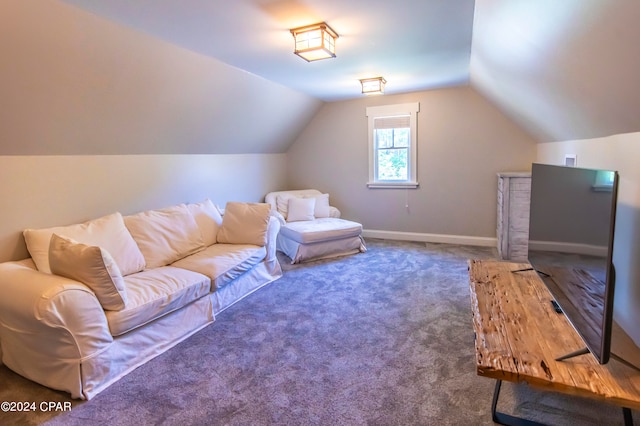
x,y
273,227
276,215
47,316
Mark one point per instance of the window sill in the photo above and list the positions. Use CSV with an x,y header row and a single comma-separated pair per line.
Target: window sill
x,y
393,185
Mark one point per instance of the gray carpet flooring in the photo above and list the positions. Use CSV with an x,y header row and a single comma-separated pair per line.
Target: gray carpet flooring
x,y
379,338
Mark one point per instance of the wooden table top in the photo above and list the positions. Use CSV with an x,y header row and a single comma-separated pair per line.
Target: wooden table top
x,y
519,335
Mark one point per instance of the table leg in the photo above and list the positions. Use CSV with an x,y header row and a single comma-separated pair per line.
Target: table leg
x,y
628,417
507,419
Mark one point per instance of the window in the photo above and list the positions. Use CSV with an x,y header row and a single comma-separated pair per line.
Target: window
x,y
393,146
604,181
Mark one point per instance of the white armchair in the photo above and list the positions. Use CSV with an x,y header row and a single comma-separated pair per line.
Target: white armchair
x,y
311,228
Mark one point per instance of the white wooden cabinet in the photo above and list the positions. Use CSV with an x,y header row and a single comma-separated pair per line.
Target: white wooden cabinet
x,y
514,192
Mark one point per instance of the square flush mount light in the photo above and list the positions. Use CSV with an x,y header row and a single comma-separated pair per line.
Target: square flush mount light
x,y
373,85
314,42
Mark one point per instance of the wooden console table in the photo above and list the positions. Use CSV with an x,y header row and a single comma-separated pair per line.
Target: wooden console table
x,y
519,335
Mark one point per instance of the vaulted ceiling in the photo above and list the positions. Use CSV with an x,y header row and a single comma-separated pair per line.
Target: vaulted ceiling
x,y
562,69
565,69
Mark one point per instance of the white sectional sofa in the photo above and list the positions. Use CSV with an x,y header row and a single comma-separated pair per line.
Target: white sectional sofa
x,y
98,299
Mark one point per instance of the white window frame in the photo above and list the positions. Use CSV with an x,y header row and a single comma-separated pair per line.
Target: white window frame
x,y
412,110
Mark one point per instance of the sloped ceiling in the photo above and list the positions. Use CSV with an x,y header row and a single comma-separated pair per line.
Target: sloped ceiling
x,y
415,45
75,83
562,69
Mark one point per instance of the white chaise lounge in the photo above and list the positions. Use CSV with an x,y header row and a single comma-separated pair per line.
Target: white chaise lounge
x,y
311,229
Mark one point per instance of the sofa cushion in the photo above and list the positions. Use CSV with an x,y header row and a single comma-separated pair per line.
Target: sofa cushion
x,y
208,219
108,232
154,293
301,209
165,235
223,263
282,204
245,223
324,229
92,266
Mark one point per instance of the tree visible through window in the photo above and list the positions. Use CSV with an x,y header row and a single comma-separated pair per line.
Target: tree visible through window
x,y
392,146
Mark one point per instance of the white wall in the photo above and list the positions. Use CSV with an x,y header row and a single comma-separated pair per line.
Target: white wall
x,y
618,152
43,191
463,142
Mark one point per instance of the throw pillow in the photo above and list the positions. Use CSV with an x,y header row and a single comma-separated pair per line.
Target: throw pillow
x,y
92,266
301,209
108,232
322,206
208,219
245,223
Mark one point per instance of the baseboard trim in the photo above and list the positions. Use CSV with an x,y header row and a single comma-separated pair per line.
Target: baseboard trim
x,y
430,238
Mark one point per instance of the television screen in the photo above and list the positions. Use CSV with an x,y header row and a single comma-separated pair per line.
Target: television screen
x,y
571,228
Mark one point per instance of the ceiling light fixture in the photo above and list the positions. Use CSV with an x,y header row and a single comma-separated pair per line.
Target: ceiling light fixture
x,y
314,42
373,85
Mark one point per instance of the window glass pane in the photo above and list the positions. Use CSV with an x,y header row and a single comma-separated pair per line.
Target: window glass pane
x,y
401,138
384,138
392,164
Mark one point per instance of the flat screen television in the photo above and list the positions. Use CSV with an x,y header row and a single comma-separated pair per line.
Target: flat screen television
x,y
571,232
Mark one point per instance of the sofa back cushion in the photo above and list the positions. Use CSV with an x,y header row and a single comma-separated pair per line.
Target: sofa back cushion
x,y
245,223
108,232
208,219
165,235
92,266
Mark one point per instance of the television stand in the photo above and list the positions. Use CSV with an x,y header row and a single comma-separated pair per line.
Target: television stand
x,y
530,269
579,352
519,336
585,351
